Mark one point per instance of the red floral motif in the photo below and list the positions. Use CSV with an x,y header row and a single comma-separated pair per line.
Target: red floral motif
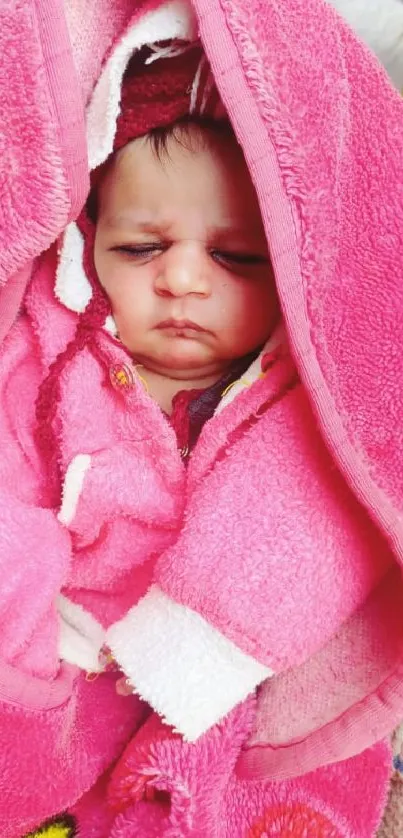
x,y
293,820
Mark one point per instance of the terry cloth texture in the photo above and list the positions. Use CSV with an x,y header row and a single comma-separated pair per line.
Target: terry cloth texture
x,y
43,173
274,559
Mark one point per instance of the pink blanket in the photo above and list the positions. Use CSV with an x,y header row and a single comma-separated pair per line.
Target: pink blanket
x,y
310,591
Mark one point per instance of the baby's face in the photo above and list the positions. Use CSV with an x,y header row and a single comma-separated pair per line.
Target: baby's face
x,y
181,252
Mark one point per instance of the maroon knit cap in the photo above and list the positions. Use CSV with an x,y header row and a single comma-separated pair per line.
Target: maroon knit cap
x,y
167,83
157,91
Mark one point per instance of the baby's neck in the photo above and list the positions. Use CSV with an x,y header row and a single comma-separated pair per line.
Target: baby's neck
x,y
163,388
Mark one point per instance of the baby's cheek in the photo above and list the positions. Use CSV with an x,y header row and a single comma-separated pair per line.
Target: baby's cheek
x,y
134,324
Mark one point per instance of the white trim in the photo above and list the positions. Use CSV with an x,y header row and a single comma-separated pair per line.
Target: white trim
x,y
110,326
81,637
195,86
72,487
174,19
72,287
189,672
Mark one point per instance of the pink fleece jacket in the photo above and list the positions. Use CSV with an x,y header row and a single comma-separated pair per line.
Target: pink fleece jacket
x,y
273,561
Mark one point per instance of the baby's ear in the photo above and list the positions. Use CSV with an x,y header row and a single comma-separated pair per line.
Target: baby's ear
x,y
379,23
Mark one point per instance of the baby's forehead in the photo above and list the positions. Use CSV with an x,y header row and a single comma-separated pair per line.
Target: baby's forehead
x,y
142,222
143,165
201,190
182,144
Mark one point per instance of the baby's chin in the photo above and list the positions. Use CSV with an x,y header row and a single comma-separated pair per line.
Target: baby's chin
x,y
184,364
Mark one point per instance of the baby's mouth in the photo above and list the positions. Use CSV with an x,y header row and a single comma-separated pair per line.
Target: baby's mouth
x,y
180,328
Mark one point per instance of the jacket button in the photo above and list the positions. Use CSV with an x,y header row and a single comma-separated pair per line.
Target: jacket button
x,y
121,377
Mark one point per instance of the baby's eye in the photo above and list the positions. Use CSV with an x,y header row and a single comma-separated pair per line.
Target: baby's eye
x,y
140,252
237,261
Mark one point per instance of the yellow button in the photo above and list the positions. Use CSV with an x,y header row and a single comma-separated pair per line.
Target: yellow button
x,y
121,376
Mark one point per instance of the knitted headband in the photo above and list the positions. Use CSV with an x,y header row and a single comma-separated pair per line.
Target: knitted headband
x,y
163,85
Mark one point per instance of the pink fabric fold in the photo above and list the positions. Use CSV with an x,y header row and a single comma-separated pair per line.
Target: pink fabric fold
x,y
162,788
44,174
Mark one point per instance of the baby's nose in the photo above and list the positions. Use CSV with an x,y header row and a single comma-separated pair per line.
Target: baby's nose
x,y
184,270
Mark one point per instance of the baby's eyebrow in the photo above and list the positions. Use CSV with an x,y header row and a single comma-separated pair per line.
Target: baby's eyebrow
x,y
227,233
131,221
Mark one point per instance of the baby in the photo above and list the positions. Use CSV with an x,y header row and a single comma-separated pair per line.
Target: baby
x,y
181,252
206,582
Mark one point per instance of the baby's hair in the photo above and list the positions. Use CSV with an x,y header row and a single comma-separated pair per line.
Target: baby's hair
x,y
191,132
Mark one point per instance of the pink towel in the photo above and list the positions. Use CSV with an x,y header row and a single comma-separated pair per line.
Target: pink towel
x,y
43,161
326,159
157,791
320,125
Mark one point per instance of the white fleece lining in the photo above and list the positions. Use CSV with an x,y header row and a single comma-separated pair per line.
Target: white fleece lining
x,y
72,487
110,326
72,287
174,19
189,672
81,637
